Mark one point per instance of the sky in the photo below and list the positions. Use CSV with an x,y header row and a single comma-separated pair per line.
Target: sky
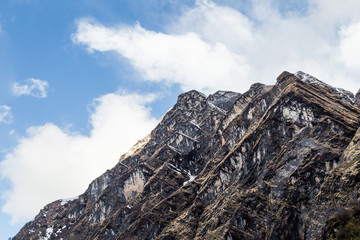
x,y
82,81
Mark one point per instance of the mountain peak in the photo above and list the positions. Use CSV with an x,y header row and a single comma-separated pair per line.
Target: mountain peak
x,y
223,99
343,94
276,162
308,78
284,76
194,94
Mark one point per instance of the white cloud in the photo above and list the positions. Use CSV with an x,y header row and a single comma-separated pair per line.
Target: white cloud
x,y
216,24
212,47
31,87
333,11
349,46
50,163
185,59
5,114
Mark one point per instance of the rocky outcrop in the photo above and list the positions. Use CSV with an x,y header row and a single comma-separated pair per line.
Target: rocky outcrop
x,y
276,162
357,99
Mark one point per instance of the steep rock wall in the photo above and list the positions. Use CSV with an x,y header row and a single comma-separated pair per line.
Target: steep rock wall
x,y
273,163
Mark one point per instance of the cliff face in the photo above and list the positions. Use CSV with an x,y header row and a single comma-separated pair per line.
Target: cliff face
x,y
276,162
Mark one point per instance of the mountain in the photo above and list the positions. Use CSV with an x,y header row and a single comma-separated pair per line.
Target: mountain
x,y
277,162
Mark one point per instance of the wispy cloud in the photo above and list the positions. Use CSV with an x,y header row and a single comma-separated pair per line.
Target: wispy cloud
x,y
50,163
212,47
5,114
31,87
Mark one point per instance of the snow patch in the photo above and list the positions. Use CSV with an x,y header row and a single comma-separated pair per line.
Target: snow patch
x,y
291,114
346,95
191,178
48,233
298,113
66,200
308,78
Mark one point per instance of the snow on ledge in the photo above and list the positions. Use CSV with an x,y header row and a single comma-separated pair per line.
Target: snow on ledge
x,y
66,200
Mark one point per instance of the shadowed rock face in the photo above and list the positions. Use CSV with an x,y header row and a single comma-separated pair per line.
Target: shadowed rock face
x,y
273,163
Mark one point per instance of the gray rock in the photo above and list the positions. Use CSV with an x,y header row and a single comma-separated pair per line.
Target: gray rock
x,y
273,163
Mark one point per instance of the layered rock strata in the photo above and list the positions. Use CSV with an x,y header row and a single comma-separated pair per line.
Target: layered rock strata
x,y
273,163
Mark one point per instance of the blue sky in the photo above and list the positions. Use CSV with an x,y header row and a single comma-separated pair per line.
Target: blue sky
x,y
82,81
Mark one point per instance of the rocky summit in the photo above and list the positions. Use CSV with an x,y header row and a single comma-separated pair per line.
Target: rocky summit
x,y
276,162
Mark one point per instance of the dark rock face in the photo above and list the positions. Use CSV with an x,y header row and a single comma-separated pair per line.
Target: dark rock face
x,y
273,163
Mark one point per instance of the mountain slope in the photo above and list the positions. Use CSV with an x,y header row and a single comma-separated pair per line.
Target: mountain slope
x,y
273,163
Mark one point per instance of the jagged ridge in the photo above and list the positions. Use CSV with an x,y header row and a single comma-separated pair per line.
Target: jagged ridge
x,y
267,164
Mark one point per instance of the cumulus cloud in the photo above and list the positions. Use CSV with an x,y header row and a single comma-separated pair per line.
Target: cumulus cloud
x,y
31,87
212,47
50,163
5,114
185,58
